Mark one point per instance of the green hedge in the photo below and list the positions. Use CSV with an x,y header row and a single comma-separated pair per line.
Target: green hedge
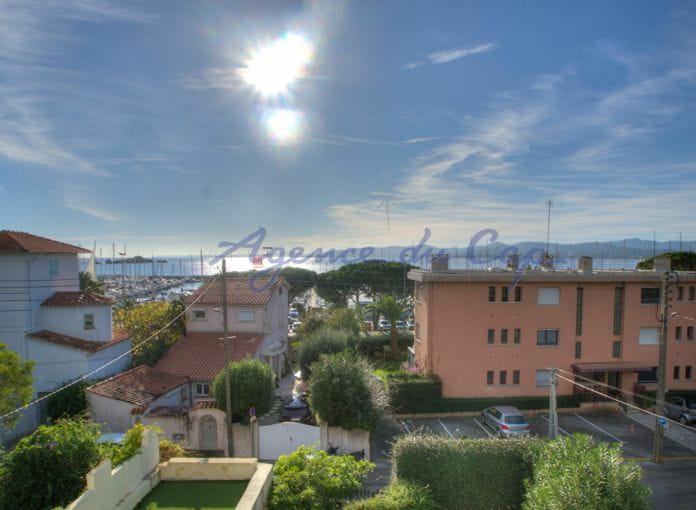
x,y
397,496
417,393
376,343
467,474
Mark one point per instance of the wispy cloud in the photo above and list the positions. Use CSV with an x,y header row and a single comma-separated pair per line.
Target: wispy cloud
x,y
442,57
92,211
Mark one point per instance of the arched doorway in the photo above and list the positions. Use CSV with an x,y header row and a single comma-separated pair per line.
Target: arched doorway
x,y
208,433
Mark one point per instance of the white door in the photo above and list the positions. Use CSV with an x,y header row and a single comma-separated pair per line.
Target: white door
x,y
208,433
283,438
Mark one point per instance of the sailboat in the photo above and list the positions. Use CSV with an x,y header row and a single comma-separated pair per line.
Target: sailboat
x,y
92,265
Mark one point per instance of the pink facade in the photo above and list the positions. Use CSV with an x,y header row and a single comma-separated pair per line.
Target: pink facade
x,y
551,324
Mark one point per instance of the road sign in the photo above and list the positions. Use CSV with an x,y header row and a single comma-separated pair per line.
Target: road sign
x,y
662,421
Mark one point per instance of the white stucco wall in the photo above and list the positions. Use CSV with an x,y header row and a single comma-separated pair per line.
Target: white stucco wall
x,y
114,415
100,358
69,320
55,364
213,320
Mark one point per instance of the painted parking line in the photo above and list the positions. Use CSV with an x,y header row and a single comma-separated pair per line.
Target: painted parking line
x,y
559,427
483,427
446,429
601,430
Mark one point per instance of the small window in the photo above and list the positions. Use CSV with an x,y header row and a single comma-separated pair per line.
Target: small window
x,y
648,377
518,294
687,372
503,336
690,333
280,291
616,349
491,336
88,321
503,377
199,315
504,294
543,378
650,295
676,373
549,296
678,333
648,336
202,390
52,268
517,336
515,377
692,293
580,292
491,294
578,350
547,337
489,377
680,293
245,316
618,309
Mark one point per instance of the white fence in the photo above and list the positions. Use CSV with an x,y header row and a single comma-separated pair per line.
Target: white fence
x,y
284,438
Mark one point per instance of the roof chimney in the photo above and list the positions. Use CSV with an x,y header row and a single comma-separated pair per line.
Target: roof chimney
x,y
585,264
439,262
662,264
513,261
547,262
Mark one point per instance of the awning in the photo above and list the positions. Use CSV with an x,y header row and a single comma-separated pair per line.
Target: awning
x,y
614,366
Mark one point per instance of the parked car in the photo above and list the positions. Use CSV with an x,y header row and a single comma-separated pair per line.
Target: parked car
x,y
506,421
410,324
295,326
383,325
401,325
681,409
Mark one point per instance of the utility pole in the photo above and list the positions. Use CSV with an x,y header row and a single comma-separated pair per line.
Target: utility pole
x,y
549,204
202,264
553,414
228,397
665,298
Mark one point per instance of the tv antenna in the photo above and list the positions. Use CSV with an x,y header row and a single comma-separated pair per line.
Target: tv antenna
x,y
549,204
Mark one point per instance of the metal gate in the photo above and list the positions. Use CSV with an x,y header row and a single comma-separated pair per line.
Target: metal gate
x,y
283,438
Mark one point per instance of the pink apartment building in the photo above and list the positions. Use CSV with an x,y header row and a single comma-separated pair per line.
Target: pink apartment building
x,y
484,336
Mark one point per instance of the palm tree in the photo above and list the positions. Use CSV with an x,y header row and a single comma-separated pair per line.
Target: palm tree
x,y
90,284
392,309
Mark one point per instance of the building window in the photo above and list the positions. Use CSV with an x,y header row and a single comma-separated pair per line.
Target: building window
x,y
489,377
687,372
503,377
648,377
678,333
491,294
578,350
616,349
692,293
517,336
52,268
88,321
680,293
547,337
618,309
543,378
202,390
503,336
515,377
280,291
690,333
198,315
245,316
676,373
578,311
518,294
648,336
650,295
549,296
504,294
491,336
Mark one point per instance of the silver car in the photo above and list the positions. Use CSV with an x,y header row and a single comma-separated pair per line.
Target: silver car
x,y
506,421
681,409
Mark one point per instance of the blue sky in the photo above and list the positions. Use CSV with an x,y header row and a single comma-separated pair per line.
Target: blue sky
x,y
131,122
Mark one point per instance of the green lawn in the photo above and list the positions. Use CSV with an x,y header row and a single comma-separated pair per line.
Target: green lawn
x,y
193,496
381,368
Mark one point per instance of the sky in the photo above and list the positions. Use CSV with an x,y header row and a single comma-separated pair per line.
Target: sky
x,y
170,126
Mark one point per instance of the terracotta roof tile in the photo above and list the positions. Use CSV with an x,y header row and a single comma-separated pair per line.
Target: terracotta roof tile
x,y
140,385
200,356
22,242
78,298
88,346
166,412
240,291
206,404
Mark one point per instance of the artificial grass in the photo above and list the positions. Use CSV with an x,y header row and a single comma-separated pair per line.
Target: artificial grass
x,y
194,496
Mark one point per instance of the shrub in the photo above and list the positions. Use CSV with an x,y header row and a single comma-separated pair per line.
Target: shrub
x,y
345,319
467,474
169,450
310,479
373,344
323,341
575,473
70,402
313,319
253,385
48,468
397,496
344,393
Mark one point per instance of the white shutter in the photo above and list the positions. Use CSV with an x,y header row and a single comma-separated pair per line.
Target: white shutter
x,y
648,336
549,296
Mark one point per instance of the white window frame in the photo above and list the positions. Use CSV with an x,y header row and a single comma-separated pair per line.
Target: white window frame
x,y
199,390
53,268
549,296
88,321
649,336
194,318
240,312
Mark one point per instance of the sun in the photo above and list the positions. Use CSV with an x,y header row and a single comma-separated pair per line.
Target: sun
x,y
273,69
284,126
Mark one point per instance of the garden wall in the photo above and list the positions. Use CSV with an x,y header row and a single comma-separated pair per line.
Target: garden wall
x,y
347,441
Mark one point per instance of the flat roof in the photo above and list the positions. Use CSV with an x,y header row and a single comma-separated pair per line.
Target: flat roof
x,y
535,275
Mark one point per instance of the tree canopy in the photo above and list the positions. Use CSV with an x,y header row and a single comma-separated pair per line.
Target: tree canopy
x,y
681,261
90,284
252,385
15,384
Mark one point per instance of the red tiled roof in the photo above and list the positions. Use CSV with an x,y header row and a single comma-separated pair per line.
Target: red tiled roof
x,y
240,291
140,386
166,412
200,356
22,242
206,404
88,346
78,298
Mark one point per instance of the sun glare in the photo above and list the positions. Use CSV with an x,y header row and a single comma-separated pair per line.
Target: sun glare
x,y
284,126
271,70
